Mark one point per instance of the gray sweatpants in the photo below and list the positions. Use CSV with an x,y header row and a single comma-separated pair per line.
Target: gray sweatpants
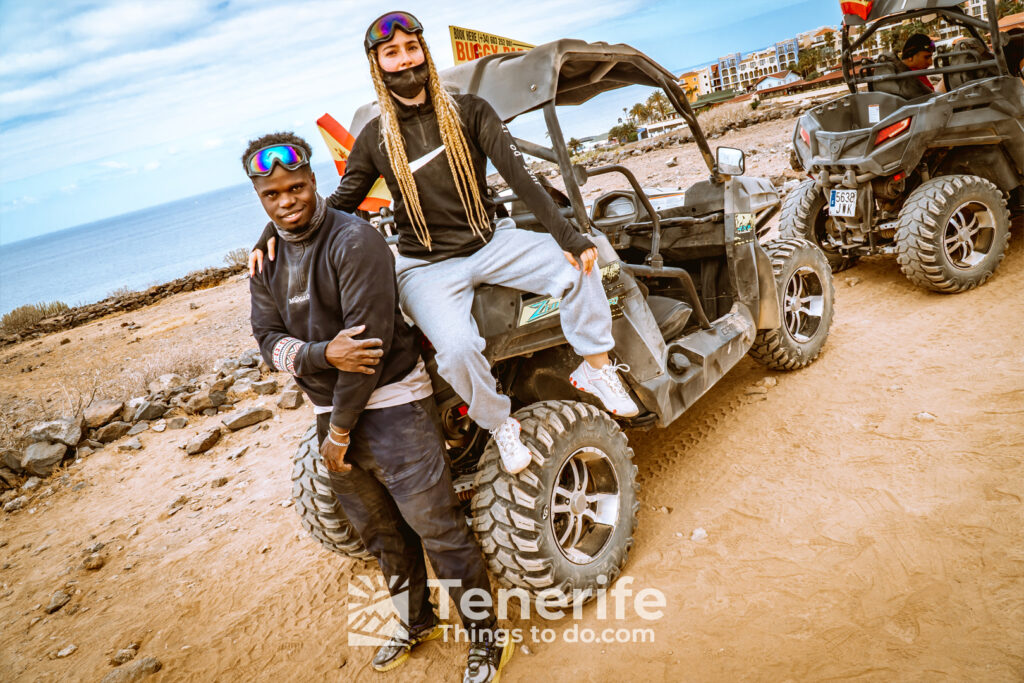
x,y
439,298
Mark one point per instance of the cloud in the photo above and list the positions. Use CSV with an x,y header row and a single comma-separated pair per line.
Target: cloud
x,y
114,165
212,143
151,166
129,21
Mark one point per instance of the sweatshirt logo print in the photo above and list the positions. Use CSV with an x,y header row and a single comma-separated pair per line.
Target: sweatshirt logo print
x,y
425,159
300,298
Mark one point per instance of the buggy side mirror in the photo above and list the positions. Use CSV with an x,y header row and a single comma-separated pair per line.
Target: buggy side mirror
x,y
730,161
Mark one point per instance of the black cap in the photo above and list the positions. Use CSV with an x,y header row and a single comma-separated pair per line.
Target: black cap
x,y
918,42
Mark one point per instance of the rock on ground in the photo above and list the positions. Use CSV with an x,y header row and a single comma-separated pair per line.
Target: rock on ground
x,y
150,410
57,600
290,399
112,431
94,561
100,413
205,399
11,459
64,430
178,422
42,458
202,442
135,671
246,418
267,386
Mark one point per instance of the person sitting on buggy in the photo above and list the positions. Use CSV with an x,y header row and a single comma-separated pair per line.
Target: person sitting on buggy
x,y
432,148
916,55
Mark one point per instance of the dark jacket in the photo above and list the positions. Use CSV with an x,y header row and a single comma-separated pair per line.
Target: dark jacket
x,y
907,88
341,276
450,233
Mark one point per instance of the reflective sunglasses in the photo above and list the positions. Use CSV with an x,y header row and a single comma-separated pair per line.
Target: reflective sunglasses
x,y
383,28
261,162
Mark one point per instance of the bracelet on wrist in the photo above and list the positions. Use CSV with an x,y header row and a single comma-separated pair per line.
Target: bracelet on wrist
x,y
339,444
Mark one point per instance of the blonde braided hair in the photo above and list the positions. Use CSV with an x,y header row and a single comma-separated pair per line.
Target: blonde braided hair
x,y
455,146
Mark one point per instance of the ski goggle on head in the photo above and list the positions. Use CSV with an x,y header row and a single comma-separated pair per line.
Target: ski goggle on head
x,y
261,162
383,28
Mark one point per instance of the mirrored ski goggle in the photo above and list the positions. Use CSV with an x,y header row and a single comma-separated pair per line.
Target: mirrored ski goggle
x,y
261,162
383,28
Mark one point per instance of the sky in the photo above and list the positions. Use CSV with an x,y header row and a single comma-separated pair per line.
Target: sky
x,y
110,107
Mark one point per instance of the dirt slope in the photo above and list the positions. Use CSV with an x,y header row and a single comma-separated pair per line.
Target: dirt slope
x,y
847,538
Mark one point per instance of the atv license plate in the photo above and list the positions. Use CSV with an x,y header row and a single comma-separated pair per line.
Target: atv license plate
x,y
843,203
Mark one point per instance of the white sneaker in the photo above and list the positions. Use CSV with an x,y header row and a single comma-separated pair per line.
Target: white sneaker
x,y
514,453
606,384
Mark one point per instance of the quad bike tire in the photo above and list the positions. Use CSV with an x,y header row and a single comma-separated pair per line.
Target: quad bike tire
x,y
319,511
805,216
806,294
952,233
533,535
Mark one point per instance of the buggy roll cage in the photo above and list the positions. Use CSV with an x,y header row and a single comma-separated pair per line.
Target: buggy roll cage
x,y
953,14
571,72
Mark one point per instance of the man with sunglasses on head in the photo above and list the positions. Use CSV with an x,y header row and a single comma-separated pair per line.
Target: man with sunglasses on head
x,y
432,149
375,420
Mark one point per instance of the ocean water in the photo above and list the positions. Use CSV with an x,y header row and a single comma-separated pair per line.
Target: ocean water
x,y
86,263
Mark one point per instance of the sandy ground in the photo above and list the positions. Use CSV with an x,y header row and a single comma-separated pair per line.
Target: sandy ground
x,y
846,537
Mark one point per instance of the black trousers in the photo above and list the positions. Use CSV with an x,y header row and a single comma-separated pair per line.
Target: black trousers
x,y
400,500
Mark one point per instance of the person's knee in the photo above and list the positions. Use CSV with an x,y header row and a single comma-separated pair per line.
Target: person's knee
x,y
457,350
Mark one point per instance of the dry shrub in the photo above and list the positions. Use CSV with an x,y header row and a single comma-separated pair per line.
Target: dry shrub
x,y
120,291
237,258
134,381
717,118
25,316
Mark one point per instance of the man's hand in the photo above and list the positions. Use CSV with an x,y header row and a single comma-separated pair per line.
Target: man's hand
x,y
256,257
354,355
587,258
333,455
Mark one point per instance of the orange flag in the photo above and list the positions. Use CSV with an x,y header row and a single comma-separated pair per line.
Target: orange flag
x,y
340,142
862,8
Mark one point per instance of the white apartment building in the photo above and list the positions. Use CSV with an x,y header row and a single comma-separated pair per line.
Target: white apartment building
x,y
741,72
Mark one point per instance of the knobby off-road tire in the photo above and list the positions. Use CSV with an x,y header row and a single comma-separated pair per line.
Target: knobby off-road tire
x,y
804,216
952,233
319,511
566,522
804,282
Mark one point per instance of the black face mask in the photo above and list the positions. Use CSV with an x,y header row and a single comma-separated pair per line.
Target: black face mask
x,y
409,82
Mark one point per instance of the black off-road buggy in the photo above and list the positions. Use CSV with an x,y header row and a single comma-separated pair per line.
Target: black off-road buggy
x,y
691,291
927,179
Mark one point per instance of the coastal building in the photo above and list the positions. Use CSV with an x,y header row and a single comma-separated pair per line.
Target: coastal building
x,y
690,82
775,80
757,71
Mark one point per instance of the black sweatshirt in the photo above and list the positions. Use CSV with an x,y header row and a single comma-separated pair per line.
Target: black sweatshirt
x,y
341,276
450,232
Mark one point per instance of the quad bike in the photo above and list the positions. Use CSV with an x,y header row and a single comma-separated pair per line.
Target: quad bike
x,y
932,179
691,293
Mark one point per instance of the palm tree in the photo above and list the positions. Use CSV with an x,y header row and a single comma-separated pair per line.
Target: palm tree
x,y
640,113
807,62
658,104
1004,7
573,145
